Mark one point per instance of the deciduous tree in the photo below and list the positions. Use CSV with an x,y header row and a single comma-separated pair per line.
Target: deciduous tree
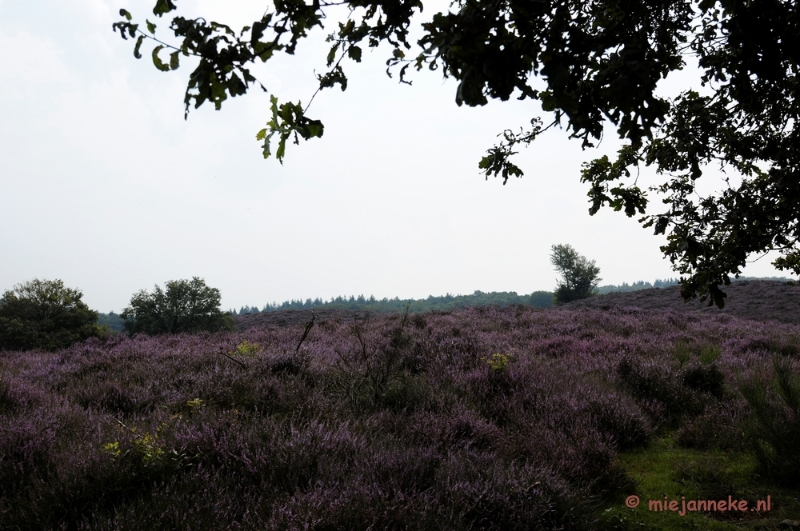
x,y
579,276
184,306
599,63
45,314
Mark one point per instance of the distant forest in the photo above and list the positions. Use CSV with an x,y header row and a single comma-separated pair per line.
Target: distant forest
x,y
537,299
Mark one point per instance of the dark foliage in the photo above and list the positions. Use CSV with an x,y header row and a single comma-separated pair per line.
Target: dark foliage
x,y
112,320
579,276
704,378
774,432
537,299
45,314
185,306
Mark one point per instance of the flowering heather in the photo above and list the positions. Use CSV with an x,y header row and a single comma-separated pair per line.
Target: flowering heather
x,y
489,418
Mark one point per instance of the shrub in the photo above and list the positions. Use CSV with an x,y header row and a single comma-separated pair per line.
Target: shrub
x,y
246,349
718,427
659,390
376,373
774,429
704,378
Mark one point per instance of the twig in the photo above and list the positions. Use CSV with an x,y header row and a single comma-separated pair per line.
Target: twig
x,y
232,359
306,331
127,428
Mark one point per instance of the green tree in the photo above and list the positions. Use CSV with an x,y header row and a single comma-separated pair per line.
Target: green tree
x,y
599,64
578,275
45,314
185,306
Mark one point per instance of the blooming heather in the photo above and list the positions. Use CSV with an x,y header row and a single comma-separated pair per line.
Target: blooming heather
x,y
382,423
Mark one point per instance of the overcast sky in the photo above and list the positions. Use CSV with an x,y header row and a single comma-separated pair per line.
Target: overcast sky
x,y
105,186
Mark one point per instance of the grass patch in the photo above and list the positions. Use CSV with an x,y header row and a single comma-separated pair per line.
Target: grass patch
x,y
666,469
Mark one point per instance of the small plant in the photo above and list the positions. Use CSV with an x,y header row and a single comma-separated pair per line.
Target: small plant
x,y
148,449
707,354
710,354
195,403
112,449
497,362
247,349
145,446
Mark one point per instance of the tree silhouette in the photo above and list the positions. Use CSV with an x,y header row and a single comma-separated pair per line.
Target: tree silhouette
x,y
185,306
45,314
578,275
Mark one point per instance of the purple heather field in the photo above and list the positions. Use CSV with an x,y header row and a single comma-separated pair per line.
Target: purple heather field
x,y
488,418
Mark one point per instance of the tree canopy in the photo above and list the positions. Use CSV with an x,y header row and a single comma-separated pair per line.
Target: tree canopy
x,y
579,275
45,314
588,64
185,306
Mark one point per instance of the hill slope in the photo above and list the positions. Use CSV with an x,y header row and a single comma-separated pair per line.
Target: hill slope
x,y
761,300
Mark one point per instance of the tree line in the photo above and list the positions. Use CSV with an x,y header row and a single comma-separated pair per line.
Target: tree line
x,y
45,314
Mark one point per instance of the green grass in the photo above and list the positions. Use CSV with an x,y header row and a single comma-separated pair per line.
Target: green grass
x,y
666,469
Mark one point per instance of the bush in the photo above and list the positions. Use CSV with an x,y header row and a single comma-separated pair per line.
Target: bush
x,y
718,427
45,314
774,430
705,378
185,306
660,391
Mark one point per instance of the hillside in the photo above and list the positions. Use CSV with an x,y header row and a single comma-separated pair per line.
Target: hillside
x,y
761,300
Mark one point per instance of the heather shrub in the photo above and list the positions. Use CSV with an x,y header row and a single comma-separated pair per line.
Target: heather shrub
x,y
374,423
200,499
572,446
468,430
774,428
789,347
619,419
354,505
26,449
485,494
15,396
718,427
115,398
660,387
373,371
704,378
289,364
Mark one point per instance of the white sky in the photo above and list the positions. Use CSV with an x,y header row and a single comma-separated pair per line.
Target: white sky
x,y
105,186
